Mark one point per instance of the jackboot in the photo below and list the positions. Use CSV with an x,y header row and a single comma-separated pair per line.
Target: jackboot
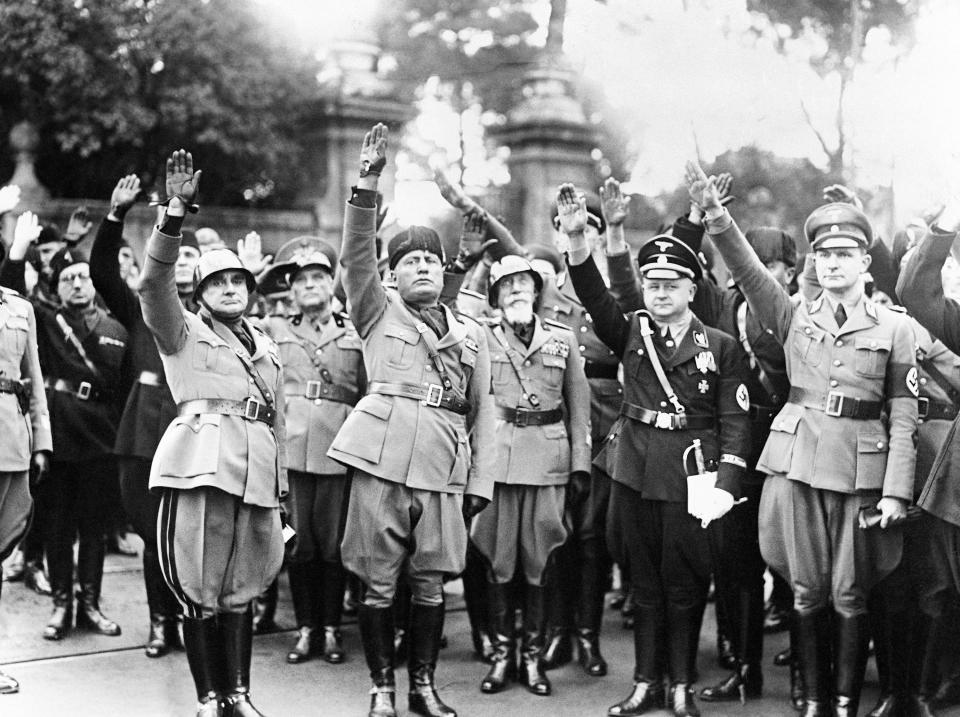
x,y
588,653
163,635
62,616
683,632
236,634
265,609
926,641
558,650
205,658
157,641
814,647
376,634
332,580
401,611
532,673
850,659
476,599
746,680
60,564
594,566
35,578
503,665
90,558
891,651
426,629
682,700
303,595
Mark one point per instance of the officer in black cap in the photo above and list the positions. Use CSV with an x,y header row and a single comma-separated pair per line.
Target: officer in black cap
x,y
683,381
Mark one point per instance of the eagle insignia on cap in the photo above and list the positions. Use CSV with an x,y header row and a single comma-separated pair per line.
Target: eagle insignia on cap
x,y
663,245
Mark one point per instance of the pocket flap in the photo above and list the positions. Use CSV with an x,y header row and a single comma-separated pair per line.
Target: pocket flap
x,y
787,420
872,443
350,342
18,322
555,361
196,422
872,343
376,406
555,431
404,333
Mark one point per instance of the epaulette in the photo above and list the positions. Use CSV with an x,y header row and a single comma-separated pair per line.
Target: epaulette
x,y
473,294
556,324
486,320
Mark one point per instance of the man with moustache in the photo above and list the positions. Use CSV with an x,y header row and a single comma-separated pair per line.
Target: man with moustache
x,y
323,379
149,408
414,440
542,437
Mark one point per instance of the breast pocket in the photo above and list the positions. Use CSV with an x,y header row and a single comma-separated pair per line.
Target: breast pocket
x,y
807,344
500,369
212,355
872,355
15,333
401,345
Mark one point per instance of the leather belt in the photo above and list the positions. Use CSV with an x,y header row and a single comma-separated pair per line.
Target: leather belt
x,y
666,421
525,417
250,409
10,385
83,390
594,369
836,404
935,410
430,395
150,378
762,414
332,392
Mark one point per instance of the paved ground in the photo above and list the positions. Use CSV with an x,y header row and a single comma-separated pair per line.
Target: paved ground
x,y
88,675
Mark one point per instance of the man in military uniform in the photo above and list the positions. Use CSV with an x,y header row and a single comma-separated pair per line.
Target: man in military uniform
x,y
682,381
418,477
840,475
219,465
82,349
323,380
542,438
921,289
149,408
25,424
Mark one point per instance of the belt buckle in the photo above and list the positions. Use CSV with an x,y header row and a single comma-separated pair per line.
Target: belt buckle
x,y
521,417
313,389
434,395
84,390
664,421
251,409
923,407
834,404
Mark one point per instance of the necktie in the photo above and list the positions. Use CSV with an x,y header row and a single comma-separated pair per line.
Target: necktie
x,y
668,338
840,315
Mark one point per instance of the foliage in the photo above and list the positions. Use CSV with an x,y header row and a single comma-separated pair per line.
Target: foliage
x,y
115,85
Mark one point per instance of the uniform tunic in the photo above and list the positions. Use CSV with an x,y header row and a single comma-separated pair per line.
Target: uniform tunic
x,y
219,533
825,468
393,442
533,463
24,433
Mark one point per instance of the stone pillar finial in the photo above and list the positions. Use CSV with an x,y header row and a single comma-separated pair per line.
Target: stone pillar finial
x,y
24,140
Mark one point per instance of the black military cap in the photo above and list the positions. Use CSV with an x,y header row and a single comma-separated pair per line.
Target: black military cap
x,y
836,226
771,244
60,261
665,257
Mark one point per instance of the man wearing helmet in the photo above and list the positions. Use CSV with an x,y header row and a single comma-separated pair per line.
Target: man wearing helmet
x,y
412,439
323,379
542,436
219,466
841,452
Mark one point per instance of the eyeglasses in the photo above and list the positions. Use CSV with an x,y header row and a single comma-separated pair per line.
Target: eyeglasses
x,y
70,278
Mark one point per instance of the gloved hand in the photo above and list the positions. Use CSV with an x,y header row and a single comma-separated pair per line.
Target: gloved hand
x,y
578,489
720,504
473,504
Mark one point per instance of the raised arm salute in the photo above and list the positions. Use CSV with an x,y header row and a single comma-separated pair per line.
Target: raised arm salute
x,y
840,449
419,441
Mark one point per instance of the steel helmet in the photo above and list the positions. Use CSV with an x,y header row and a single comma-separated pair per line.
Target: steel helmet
x,y
507,266
215,261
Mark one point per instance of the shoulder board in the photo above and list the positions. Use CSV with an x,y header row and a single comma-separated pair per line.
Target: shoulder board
x,y
486,320
550,323
897,308
466,318
473,294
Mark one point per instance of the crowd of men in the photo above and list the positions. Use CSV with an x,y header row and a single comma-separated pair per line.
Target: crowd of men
x,y
521,416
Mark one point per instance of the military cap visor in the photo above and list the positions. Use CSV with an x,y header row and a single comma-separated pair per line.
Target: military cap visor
x,y
839,236
838,226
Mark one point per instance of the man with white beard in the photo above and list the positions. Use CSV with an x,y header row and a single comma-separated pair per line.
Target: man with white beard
x,y
538,380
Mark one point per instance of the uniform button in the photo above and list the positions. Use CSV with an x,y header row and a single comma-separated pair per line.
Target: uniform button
x,y
610,353
619,390
879,444
923,382
556,308
839,342
670,344
873,344
639,352
837,362
583,329
526,363
663,404
429,367
806,330
834,383
583,348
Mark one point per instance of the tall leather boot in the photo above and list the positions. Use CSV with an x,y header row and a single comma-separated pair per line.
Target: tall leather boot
x,y
90,576
814,646
201,639
891,650
503,666
59,623
60,563
647,693
376,634
332,578
593,570
265,609
683,632
532,672
162,605
236,634
747,628
559,595
925,645
401,618
426,629
850,660
798,687
476,598
303,595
